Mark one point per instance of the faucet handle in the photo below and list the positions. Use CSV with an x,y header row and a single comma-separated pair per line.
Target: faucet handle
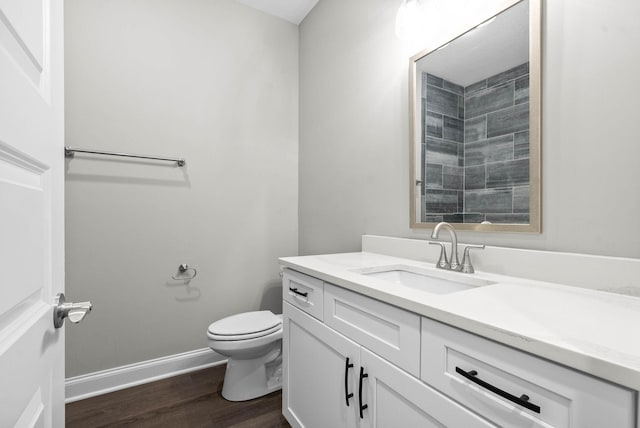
x,y
443,262
467,267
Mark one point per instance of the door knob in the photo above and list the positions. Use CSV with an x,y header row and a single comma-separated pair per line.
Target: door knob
x,y
74,311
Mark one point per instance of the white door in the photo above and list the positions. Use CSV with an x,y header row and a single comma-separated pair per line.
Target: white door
x,y
320,373
31,212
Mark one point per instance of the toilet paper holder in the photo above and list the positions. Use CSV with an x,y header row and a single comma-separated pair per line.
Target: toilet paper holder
x,y
183,268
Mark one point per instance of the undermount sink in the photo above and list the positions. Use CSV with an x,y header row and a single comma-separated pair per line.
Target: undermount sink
x,y
431,282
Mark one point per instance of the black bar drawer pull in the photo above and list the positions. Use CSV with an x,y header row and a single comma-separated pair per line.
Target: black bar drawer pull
x,y
299,293
347,394
523,400
362,406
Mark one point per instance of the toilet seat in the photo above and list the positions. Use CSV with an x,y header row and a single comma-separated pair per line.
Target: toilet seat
x,y
244,326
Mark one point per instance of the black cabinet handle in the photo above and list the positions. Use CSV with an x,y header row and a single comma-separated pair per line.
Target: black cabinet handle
x,y
362,406
523,400
299,293
347,395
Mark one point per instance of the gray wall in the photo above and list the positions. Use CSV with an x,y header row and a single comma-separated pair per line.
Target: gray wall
x,y
215,82
354,150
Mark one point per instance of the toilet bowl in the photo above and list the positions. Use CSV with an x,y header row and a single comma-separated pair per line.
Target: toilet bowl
x,y
252,342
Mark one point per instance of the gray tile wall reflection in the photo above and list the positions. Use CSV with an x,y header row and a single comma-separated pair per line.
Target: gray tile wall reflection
x,y
475,147
496,148
442,148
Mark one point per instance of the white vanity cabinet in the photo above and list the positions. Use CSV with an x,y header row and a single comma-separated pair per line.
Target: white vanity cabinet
x,y
330,380
359,362
324,370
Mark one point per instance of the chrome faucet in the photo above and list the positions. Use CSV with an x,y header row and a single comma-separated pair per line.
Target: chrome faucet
x,y
467,267
455,262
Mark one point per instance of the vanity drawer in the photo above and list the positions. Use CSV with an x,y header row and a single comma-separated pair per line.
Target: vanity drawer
x,y
303,291
386,330
486,376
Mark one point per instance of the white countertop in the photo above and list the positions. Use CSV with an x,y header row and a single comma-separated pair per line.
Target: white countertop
x,y
588,330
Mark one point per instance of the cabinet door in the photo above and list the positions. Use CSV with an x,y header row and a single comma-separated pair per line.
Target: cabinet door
x,y
315,369
396,399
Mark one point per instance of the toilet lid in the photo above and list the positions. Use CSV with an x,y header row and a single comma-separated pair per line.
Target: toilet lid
x,y
246,325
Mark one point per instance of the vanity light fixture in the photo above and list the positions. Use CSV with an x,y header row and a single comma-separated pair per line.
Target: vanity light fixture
x,y
410,22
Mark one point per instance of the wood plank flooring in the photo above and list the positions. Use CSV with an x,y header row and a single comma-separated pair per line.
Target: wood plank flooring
x,y
192,400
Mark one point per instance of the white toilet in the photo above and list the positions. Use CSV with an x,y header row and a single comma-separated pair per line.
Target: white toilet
x,y
252,341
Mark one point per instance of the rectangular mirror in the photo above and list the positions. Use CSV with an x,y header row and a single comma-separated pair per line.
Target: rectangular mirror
x,y
475,126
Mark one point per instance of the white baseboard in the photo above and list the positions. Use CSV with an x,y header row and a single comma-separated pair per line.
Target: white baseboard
x,y
105,381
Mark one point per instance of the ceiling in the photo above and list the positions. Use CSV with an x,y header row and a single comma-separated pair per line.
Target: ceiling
x,y
291,10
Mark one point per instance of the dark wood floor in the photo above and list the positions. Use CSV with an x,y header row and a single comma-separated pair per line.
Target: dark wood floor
x,y
192,400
